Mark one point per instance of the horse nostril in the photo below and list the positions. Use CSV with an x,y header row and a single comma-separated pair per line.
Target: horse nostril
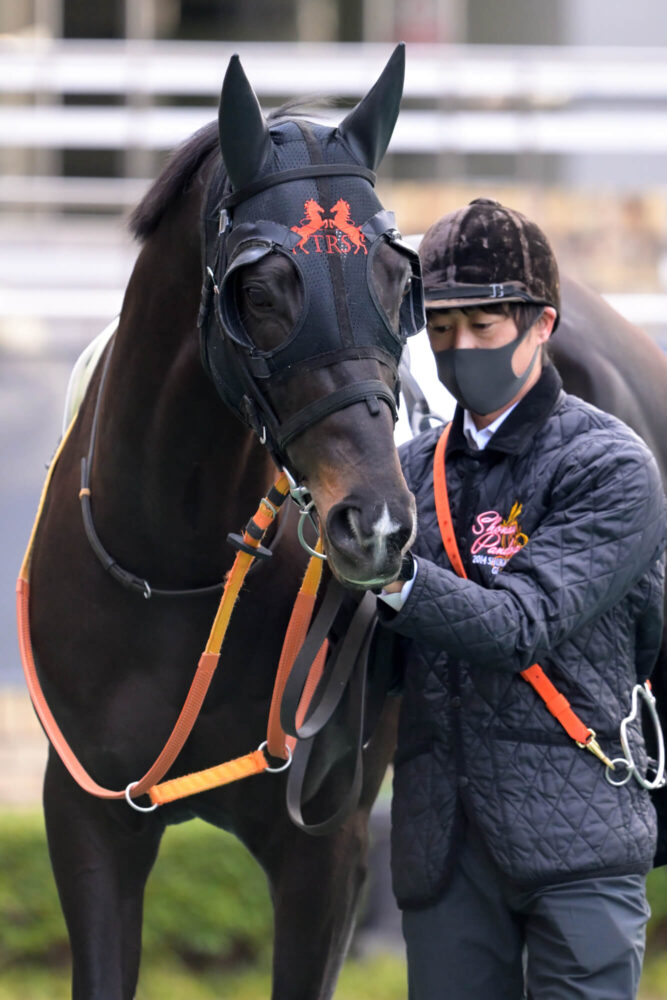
x,y
344,526
368,528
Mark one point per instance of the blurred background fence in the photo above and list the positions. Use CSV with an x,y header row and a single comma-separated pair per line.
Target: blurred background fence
x,y
556,107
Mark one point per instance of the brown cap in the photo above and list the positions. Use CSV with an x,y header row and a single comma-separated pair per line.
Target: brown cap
x,y
487,253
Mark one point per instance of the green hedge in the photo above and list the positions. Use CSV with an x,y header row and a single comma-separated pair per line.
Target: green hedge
x,y
206,902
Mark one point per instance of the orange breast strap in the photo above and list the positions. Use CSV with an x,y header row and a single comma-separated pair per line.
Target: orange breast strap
x,y
252,763
555,702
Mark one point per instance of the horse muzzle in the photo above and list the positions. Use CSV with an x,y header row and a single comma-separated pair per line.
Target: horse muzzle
x,y
365,542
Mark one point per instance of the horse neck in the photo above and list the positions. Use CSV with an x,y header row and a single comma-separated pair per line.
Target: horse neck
x,y
174,470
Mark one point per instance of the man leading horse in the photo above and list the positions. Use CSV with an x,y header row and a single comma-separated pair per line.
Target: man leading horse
x,y
529,608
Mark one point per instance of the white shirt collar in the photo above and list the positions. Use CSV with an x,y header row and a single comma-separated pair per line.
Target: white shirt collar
x,y
480,439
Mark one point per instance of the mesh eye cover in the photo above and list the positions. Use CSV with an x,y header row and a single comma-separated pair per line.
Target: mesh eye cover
x,y
310,244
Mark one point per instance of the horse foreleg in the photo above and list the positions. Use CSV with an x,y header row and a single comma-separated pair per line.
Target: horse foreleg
x,y
315,885
101,854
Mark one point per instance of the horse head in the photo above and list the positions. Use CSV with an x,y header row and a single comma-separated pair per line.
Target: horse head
x,y
309,334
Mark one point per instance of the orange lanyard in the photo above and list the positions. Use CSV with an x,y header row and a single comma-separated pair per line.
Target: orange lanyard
x,y
555,702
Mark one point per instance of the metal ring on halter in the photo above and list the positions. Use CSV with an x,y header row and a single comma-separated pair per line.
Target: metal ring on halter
x,y
298,495
299,530
130,802
147,590
283,767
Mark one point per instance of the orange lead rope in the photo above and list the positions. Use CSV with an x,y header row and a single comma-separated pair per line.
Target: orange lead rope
x,y
555,702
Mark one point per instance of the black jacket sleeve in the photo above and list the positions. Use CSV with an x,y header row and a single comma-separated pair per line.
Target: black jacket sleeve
x,y
605,529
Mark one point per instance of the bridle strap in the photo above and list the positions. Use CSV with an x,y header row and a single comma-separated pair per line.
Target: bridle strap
x,y
346,669
299,173
311,414
123,576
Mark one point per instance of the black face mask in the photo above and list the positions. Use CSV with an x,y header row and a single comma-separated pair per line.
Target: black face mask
x,y
481,379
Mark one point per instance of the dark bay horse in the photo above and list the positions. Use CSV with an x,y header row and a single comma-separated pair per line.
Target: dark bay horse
x,y
616,366
613,364
302,343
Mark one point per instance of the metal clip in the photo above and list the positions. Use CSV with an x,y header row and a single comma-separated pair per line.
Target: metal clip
x,y
641,691
594,747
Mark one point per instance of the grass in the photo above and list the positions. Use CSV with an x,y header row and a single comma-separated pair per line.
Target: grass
x,y
207,925
379,978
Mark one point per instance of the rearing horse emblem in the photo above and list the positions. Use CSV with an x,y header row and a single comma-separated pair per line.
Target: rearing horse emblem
x,y
312,222
343,223
342,233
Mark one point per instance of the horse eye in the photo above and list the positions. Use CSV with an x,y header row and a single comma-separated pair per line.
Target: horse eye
x,y
407,286
258,296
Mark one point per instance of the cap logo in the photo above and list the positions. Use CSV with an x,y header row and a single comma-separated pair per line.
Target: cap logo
x,y
335,232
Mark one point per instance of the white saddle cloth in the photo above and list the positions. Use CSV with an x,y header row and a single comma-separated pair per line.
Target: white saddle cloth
x,y
82,372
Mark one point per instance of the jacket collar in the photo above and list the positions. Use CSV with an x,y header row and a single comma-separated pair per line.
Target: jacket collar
x,y
517,431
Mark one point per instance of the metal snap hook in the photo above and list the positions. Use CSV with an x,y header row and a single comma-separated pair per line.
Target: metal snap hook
x,y
131,802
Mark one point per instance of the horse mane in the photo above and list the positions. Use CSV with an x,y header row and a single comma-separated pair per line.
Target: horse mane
x,y
174,180
185,163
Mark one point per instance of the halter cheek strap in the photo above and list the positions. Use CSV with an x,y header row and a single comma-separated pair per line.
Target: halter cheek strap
x,y
556,703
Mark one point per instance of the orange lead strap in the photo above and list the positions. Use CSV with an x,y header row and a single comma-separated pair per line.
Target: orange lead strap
x,y
555,702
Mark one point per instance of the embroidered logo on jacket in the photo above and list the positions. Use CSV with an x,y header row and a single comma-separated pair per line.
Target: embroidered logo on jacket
x,y
342,234
496,539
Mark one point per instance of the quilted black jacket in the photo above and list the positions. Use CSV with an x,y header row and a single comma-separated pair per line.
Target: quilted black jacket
x,y
560,523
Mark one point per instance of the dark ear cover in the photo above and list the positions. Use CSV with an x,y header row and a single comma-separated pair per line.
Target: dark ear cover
x,y
369,127
244,135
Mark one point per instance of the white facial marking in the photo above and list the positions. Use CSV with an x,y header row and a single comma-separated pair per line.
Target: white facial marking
x,y
382,529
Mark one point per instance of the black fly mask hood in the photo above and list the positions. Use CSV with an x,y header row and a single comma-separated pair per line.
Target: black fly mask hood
x,y
304,191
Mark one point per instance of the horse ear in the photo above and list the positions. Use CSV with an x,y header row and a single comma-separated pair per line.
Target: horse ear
x,y
368,127
244,135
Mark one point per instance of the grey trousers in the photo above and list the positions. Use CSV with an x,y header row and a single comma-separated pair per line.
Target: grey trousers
x,y
488,940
